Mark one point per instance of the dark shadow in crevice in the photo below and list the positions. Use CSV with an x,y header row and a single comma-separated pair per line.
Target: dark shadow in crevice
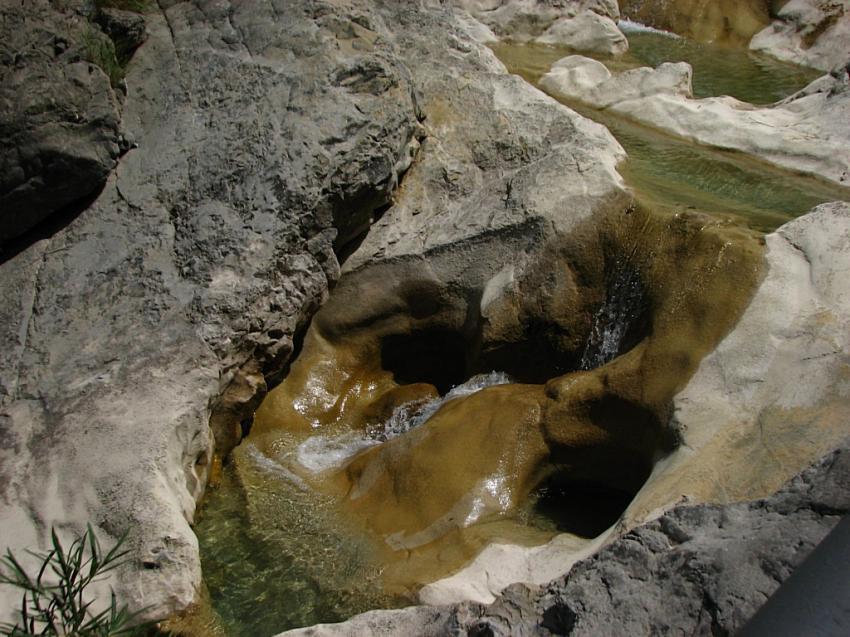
x,y
49,226
582,508
433,356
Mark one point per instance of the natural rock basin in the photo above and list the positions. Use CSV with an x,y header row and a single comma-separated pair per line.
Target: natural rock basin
x,y
339,487
335,504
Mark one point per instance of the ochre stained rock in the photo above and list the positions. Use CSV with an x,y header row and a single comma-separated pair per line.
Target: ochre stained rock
x,y
592,415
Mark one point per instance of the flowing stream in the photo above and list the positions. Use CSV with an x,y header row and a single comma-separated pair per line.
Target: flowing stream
x,y
301,565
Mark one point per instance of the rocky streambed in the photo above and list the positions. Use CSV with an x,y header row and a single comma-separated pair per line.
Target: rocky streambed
x,y
492,356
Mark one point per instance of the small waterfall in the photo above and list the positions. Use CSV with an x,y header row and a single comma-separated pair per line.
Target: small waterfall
x,y
614,320
629,26
320,453
410,415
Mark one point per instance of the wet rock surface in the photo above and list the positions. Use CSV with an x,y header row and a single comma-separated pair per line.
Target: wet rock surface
x,y
275,141
725,21
697,569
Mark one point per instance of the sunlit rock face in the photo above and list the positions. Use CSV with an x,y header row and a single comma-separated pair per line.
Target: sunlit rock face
x,y
729,21
582,25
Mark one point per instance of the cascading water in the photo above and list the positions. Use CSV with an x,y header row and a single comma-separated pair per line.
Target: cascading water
x,y
320,453
621,310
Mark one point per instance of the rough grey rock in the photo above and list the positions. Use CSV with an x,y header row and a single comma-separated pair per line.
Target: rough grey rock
x,y
815,33
125,28
696,570
269,135
264,131
59,133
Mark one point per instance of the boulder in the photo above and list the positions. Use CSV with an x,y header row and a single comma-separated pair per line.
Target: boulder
x,y
583,25
587,32
814,33
805,133
590,81
59,116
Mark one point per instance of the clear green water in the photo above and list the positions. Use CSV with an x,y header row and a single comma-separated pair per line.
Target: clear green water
x,y
749,76
669,172
274,557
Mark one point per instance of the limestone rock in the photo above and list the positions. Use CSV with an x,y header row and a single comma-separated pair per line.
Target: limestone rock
x,y
814,33
59,117
264,131
700,570
585,25
591,82
805,132
586,32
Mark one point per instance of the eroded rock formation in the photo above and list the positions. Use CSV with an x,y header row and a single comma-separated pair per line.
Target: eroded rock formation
x,y
697,569
805,132
724,21
265,133
588,26
59,115
811,32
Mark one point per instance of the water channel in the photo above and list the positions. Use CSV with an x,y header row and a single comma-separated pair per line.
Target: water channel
x,y
276,554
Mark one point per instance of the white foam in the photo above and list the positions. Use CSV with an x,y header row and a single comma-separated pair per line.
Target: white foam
x,y
629,26
320,453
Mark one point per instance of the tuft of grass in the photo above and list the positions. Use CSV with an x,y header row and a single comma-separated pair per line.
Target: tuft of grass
x,y
55,601
100,51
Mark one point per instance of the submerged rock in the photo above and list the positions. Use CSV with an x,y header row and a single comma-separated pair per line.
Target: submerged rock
x,y
722,21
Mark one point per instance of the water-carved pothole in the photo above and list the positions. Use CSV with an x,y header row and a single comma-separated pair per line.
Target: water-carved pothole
x,y
393,439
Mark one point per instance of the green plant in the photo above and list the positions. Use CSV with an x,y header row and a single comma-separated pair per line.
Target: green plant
x,y
100,50
57,601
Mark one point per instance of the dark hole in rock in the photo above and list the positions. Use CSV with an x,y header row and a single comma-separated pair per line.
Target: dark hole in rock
x,y
540,356
559,618
585,509
436,357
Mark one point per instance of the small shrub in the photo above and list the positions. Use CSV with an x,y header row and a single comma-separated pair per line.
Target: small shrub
x,y
56,600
